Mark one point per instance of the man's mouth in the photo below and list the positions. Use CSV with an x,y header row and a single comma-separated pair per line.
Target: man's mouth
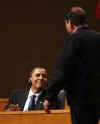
x,y
39,81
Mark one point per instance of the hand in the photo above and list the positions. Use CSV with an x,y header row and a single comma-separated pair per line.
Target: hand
x,y
13,107
46,105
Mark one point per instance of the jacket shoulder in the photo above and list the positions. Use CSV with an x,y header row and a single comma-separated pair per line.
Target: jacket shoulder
x,y
17,91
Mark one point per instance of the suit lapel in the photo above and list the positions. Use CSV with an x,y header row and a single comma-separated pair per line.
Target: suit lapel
x,y
25,95
39,104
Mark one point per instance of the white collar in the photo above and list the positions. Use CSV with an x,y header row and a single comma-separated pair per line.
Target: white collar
x,y
32,93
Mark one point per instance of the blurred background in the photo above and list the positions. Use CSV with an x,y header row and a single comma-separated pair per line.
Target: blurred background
x,y
31,34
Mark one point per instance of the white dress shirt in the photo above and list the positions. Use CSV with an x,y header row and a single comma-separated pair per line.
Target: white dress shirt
x,y
29,98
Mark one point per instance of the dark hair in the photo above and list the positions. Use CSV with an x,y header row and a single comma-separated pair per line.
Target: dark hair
x,y
33,69
77,16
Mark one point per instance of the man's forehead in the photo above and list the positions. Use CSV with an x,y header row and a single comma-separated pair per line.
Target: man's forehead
x,y
40,70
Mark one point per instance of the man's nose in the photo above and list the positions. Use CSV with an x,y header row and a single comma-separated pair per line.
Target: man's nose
x,y
40,77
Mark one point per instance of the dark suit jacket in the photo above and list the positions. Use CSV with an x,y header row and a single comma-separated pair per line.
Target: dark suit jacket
x,y
78,68
20,96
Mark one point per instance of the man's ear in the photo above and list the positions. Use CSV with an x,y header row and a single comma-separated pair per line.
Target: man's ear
x,y
30,79
72,26
29,84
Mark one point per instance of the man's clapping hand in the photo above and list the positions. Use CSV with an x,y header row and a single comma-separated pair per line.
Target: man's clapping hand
x,y
13,107
46,105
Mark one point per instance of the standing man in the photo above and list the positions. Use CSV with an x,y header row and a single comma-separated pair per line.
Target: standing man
x,y
78,69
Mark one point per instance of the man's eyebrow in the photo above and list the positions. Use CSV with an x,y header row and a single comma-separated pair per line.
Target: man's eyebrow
x,y
37,73
40,73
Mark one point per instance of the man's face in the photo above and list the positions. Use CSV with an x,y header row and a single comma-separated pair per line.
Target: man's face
x,y
68,26
39,78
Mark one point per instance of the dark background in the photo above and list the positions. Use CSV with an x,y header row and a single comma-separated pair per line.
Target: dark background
x,y
31,34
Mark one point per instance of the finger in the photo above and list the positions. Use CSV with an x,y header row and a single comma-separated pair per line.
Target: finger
x,y
46,108
17,107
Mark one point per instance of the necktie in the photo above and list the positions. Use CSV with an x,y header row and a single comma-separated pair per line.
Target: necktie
x,y
32,103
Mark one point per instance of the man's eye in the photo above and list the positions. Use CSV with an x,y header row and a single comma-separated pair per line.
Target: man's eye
x,y
44,75
37,75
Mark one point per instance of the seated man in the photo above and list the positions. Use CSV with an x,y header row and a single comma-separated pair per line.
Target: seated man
x,y
33,97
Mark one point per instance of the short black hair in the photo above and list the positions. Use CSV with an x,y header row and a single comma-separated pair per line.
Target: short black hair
x,y
77,16
36,67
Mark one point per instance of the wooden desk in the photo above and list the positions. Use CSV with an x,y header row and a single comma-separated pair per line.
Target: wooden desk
x,y
32,117
3,103
35,117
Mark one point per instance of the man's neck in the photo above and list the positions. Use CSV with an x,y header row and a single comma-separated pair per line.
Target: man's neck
x,y
78,27
35,90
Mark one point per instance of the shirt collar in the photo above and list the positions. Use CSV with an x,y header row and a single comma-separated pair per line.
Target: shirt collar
x,y
32,93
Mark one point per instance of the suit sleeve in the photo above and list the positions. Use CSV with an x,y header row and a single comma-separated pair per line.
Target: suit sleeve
x,y
65,68
61,99
12,99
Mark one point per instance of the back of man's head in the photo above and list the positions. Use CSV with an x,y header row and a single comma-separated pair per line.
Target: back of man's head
x,y
77,16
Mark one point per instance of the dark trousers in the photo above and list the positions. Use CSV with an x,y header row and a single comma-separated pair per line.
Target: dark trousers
x,y
85,114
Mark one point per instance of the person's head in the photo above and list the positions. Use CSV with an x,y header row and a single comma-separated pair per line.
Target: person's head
x,y
38,78
75,18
